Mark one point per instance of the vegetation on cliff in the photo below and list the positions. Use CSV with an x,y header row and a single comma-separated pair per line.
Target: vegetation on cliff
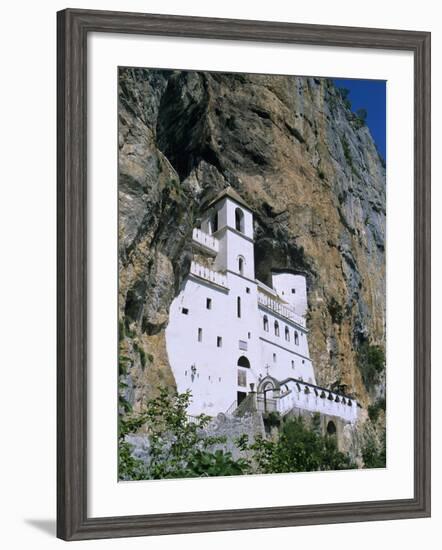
x,y
180,448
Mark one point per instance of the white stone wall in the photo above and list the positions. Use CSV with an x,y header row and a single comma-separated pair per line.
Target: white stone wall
x,y
293,289
206,362
235,246
285,351
202,367
211,372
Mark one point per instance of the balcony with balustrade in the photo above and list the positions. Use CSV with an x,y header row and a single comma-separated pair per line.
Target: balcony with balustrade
x,y
276,307
205,241
203,272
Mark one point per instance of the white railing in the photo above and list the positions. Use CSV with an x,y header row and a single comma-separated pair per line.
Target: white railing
x,y
205,240
208,274
316,399
284,311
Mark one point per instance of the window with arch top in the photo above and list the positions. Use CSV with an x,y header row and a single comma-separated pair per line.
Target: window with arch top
x,y
243,362
276,328
239,220
296,338
265,323
241,265
287,334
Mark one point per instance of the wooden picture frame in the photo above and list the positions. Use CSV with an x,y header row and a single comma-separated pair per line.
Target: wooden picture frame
x,y
73,28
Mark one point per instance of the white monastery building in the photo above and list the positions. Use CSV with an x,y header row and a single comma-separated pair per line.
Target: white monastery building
x,y
230,335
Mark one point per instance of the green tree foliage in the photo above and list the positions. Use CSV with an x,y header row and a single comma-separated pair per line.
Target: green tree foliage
x,y
376,408
178,447
298,449
373,456
371,362
129,466
346,149
344,93
362,114
336,310
361,117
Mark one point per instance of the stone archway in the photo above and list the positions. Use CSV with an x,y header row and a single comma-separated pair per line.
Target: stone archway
x,y
331,428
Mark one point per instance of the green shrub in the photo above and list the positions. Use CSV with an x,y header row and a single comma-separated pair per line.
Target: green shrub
x,y
298,449
143,357
272,418
121,330
373,456
316,423
346,150
174,189
123,364
344,93
360,118
375,409
178,448
336,311
371,362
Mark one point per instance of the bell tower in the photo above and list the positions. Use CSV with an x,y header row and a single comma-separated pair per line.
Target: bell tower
x,y
230,220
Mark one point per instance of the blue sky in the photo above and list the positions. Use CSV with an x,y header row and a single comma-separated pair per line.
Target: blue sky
x,y
369,95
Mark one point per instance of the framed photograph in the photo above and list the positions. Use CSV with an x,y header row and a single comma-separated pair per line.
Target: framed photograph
x,y
243,274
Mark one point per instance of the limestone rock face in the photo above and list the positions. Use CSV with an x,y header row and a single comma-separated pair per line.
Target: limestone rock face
x,y
310,171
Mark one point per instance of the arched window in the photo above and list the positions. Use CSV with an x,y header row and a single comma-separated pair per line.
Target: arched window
x,y
287,334
238,307
265,323
296,338
276,328
243,362
241,265
239,220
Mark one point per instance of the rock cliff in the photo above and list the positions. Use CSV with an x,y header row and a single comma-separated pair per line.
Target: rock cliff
x,y
309,168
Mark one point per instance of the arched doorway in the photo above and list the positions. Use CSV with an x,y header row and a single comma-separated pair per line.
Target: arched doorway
x,y
268,389
243,362
331,428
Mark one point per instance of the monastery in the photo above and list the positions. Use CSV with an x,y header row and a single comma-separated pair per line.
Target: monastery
x,y
231,337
